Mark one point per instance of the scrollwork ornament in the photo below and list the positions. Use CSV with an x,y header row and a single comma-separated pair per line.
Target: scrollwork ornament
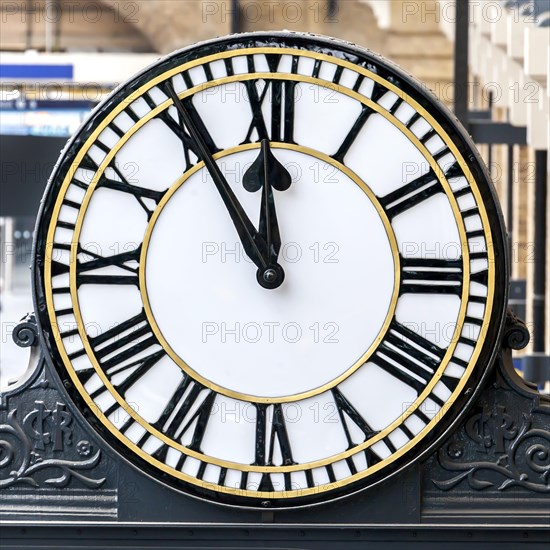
x,y
7,453
20,462
25,333
525,463
516,333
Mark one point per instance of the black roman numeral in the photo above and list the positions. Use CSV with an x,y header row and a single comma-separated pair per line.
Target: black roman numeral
x,y
120,350
136,370
128,275
282,110
411,194
347,411
343,150
141,194
88,163
413,363
481,277
186,140
278,435
189,408
377,92
427,276
371,456
266,444
110,346
59,268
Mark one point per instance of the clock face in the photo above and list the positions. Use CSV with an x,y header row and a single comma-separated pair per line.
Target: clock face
x,y
270,270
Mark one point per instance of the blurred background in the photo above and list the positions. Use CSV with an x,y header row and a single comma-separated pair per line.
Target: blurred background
x,y
487,60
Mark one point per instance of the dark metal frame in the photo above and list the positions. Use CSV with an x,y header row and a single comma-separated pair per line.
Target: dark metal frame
x,y
411,88
277,537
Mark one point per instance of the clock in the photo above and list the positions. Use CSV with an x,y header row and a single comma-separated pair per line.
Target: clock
x,y
270,270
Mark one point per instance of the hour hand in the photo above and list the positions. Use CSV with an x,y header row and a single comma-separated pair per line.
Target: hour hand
x,y
266,173
266,168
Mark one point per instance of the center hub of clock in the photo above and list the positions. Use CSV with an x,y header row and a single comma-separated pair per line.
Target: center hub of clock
x,y
338,261
271,277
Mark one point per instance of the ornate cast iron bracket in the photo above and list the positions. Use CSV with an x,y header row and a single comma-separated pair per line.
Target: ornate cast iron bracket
x,y
27,447
45,447
504,442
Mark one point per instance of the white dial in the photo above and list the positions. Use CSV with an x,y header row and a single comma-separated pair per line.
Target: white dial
x,y
291,340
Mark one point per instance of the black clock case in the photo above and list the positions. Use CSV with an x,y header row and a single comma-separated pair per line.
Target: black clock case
x,y
483,480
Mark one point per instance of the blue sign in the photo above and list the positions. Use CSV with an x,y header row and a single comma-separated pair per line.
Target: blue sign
x,y
34,72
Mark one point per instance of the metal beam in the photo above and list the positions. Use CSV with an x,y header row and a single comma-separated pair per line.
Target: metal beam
x,y
484,131
484,114
510,202
539,278
461,46
235,16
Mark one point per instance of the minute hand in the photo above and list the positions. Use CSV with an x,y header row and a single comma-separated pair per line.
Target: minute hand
x,y
253,243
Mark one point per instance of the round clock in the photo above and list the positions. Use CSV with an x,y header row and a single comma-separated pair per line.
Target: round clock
x,y
270,270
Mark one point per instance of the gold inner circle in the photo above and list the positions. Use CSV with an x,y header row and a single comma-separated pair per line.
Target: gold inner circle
x,y
243,396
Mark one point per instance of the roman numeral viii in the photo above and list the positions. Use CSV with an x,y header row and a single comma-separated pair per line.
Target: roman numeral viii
x,y
128,351
407,356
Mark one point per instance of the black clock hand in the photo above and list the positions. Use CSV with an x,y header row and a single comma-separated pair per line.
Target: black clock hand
x,y
267,172
268,226
253,243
